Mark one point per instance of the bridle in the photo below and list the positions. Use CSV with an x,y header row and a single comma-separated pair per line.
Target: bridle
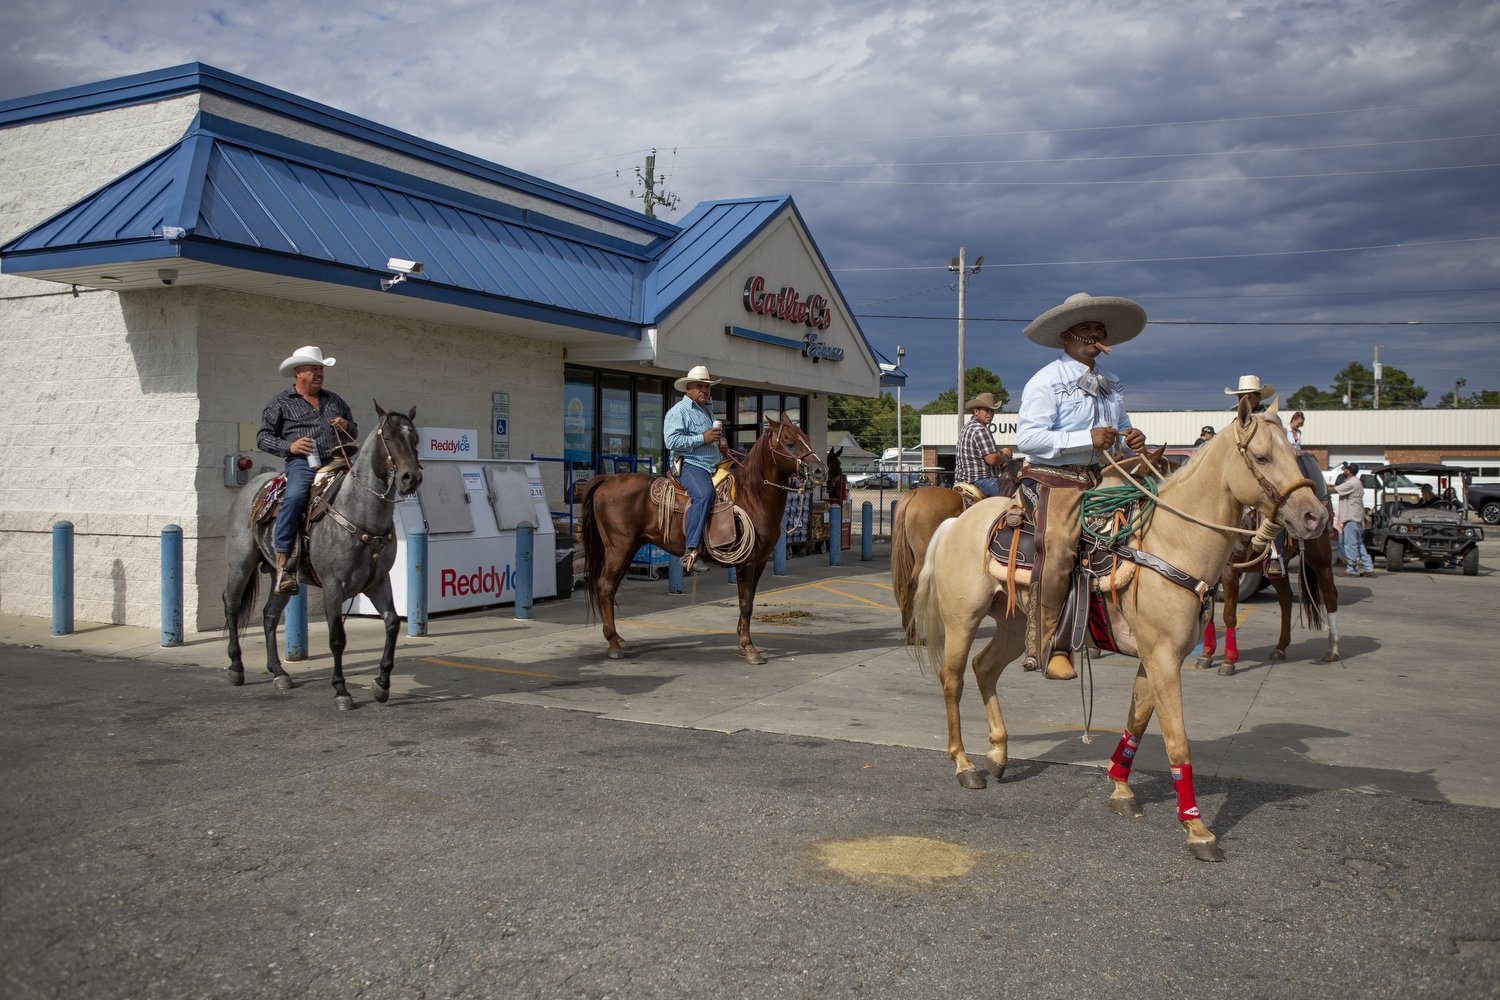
x,y
390,461
803,465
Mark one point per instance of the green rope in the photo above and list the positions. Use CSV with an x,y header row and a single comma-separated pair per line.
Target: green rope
x,y
1102,502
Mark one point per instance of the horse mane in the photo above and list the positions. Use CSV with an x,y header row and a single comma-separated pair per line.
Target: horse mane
x,y
753,471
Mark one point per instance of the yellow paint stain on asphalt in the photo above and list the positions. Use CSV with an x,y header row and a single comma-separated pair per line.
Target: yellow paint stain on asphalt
x,y
829,587
919,859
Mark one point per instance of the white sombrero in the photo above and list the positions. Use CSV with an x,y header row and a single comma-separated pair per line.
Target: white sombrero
x,y
1249,384
699,373
306,356
1123,318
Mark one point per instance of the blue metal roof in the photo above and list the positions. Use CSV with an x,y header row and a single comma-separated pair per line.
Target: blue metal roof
x,y
238,194
711,234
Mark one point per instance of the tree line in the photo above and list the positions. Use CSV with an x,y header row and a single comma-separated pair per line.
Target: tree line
x,y
872,422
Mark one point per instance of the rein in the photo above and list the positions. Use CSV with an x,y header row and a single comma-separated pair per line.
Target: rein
x,y
374,542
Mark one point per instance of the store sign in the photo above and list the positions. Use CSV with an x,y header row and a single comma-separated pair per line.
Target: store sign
x,y
787,304
447,442
488,581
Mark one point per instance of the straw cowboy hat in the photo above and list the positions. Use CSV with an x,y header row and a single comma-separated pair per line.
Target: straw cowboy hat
x,y
699,373
306,356
985,400
1123,318
1249,384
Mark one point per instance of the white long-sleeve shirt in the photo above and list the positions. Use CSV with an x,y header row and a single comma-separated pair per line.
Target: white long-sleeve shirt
x,y
1057,417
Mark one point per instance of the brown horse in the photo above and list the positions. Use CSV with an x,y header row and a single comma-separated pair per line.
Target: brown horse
x,y
619,517
1320,602
1157,617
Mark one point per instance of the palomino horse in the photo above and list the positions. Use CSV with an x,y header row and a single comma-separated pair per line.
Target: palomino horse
x,y
962,583
619,516
350,549
920,512
1319,601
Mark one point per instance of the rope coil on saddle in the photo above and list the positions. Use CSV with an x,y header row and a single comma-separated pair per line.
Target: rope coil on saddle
x,y
1105,502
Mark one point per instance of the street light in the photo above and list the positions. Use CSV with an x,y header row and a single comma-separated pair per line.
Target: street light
x,y
960,265
900,444
1457,385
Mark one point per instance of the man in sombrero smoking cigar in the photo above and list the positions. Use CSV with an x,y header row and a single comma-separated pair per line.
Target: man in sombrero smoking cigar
x,y
1071,412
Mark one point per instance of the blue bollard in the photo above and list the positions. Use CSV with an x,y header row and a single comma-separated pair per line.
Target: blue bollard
x,y
867,532
525,540
296,625
893,517
416,581
674,575
733,576
778,560
171,585
62,578
835,531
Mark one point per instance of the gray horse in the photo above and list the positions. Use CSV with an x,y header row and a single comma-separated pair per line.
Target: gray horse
x,y
351,549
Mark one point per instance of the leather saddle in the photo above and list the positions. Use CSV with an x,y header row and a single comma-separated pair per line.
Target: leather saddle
x,y
720,528
326,483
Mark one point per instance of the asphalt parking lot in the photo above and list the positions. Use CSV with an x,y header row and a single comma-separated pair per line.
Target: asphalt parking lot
x,y
527,818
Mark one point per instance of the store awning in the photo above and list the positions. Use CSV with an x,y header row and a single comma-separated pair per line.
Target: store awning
x,y
232,206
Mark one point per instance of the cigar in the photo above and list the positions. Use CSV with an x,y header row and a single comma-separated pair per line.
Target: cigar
x,y
1103,347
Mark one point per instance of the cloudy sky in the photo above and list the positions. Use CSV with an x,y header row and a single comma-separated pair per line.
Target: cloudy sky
x,y
1284,185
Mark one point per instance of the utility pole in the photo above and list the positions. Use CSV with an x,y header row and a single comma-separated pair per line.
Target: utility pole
x,y
648,194
960,264
900,444
1377,376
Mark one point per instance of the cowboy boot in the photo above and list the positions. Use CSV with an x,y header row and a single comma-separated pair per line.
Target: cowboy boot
x,y
1060,667
286,574
688,559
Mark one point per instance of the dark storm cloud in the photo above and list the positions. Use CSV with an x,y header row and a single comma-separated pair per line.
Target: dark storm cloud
x,y
900,130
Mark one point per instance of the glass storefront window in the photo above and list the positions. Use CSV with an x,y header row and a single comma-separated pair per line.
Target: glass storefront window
x,y
649,453
615,422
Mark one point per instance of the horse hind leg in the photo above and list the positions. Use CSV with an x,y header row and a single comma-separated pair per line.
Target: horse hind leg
x,y
385,605
1003,647
270,619
951,676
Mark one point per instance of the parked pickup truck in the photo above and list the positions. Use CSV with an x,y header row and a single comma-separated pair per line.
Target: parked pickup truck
x,y
1484,500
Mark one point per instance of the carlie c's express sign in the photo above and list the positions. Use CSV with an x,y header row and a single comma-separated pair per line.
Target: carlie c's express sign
x,y
787,304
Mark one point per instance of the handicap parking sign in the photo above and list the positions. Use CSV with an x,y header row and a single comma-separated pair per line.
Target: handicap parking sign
x,y
500,423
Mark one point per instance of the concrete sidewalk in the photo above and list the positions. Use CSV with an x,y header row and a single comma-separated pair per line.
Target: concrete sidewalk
x,y
1409,711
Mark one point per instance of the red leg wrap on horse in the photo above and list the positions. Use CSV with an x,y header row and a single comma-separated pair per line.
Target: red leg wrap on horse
x,y
1182,783
1210,639
1123,757
1231,647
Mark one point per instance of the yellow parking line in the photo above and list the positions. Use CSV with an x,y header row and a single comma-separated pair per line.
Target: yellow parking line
x,y
494,670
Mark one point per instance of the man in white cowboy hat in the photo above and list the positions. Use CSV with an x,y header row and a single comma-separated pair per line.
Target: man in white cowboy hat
x,y
977,456
1071,412
1250,386
304,425
692,434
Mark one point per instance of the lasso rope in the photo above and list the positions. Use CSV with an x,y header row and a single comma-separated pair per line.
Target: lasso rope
x,y
1104,502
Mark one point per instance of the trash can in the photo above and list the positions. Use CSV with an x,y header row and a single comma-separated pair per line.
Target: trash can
x,y
564,572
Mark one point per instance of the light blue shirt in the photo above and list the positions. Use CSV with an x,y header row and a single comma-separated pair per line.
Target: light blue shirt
x,y
1056,416
683,429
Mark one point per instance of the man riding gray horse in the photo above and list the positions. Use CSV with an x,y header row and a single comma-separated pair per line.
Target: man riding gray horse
x,y
305,424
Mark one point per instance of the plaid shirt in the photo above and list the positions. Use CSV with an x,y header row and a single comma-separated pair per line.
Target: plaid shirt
x,y
288,417
974,442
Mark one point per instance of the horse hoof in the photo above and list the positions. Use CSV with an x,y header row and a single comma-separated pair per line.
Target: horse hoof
x,y
615,654
284,682
1205,850
1129,808
972,778
755,658
998,770
344,702
1329,658
1201,663
236,677
1277,655
380,694
1227,670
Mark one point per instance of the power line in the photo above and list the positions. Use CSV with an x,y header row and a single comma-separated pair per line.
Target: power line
x,y
1162,260
1132,156
1215,322
1125,180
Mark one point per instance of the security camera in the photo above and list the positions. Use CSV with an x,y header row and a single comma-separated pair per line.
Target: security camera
x,y
167,276
404,266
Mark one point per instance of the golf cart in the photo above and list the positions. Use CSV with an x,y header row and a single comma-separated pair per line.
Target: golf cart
x,y
1400,526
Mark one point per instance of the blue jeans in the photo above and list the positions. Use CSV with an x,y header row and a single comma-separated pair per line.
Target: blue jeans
x,y
1352,539
700,487
989,486
299,477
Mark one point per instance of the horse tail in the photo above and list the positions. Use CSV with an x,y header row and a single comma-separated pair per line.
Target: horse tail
x,y
924,633
1313,603
593,548
903,562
